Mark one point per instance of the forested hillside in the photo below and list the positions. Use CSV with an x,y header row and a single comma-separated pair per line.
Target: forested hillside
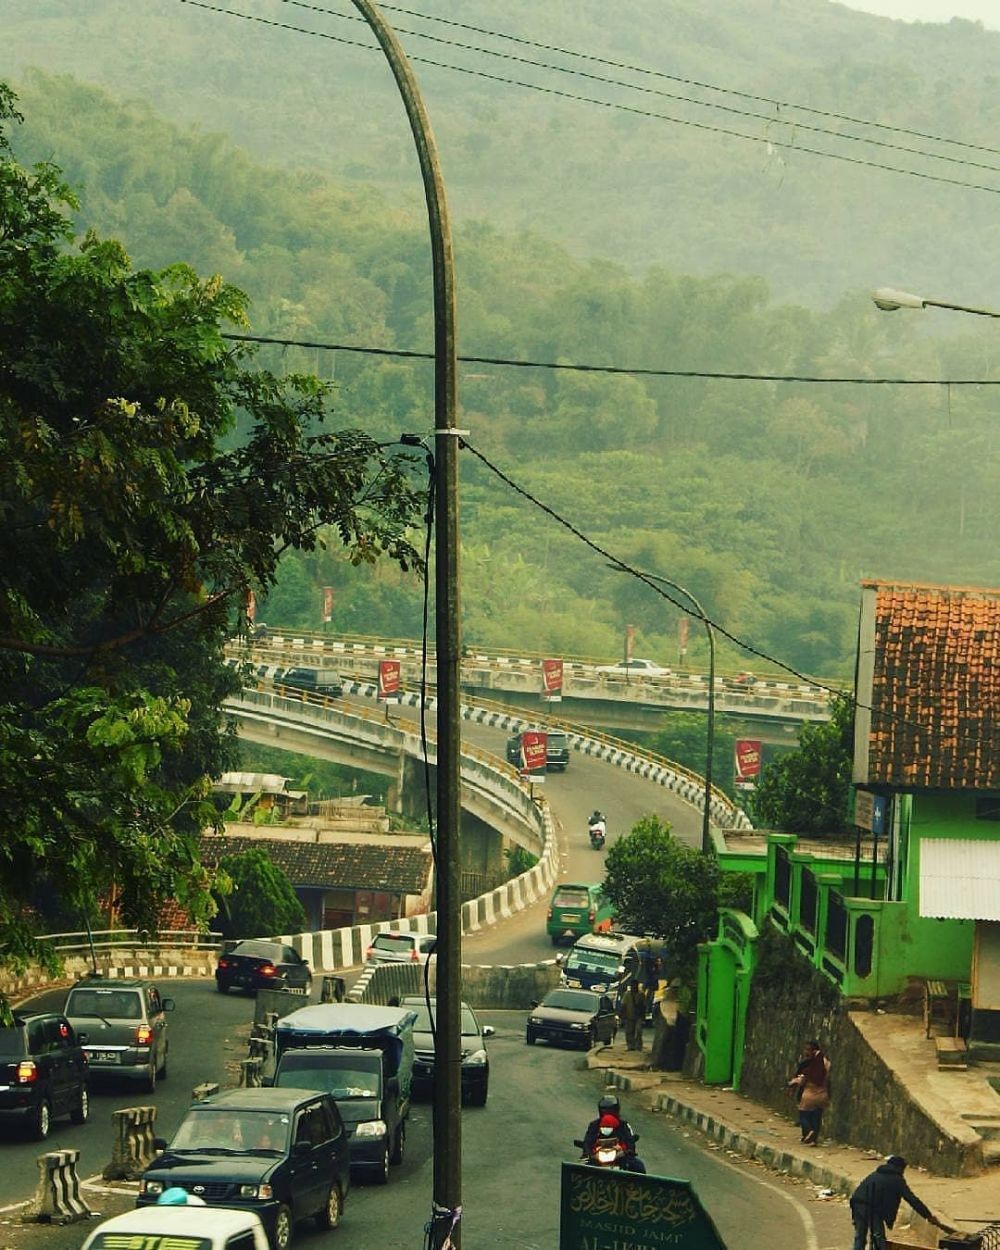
x,y
649,174
769,500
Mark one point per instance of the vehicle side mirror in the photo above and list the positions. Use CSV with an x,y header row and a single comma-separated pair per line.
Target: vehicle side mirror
x,y
533,1004
81,1038
560,960
577,1141
168,1004
301,1148
159,1143
267,1081
488,1030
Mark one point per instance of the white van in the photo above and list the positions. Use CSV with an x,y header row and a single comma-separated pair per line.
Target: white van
x,y
180,1228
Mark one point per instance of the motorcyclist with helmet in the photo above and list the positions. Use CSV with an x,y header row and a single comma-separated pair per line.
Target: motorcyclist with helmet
x,y
609,1105
597,828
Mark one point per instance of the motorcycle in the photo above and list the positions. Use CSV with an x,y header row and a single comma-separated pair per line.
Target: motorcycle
x,y
606,1152
598,835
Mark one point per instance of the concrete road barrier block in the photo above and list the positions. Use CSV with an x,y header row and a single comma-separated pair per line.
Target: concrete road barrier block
x,y
57,1198
132,1149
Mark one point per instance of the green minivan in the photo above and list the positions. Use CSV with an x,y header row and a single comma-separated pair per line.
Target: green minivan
x,y
577,909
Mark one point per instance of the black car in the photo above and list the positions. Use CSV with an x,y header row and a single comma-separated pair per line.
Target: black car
x,y
279,1152
43,1073
256,964
579,1017
475,1060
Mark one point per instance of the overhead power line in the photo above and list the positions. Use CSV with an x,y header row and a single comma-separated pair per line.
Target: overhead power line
x,y
792,123
566,366
769,141
694,82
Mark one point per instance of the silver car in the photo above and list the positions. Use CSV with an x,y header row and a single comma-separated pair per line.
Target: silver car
x,y
396,947
122,1026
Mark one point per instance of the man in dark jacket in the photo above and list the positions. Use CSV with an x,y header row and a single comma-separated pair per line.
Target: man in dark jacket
x,y
875,1203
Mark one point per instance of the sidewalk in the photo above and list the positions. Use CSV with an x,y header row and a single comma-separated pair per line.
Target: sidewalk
x,y
756,1132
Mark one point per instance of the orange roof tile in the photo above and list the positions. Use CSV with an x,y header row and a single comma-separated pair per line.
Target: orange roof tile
x,y
936,687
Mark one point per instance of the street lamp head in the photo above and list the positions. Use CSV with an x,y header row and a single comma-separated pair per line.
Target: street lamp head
x,y
888,299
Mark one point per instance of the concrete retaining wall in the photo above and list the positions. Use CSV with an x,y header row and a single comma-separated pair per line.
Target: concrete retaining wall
x,y
498,987
870,1106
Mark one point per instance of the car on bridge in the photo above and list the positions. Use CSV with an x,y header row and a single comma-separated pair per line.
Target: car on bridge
x,y
634,668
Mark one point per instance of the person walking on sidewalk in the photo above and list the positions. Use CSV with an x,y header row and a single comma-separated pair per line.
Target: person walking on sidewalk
x,y
633,1014
875,1204
812,1081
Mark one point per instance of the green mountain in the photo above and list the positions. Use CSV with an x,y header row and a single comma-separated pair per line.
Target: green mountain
x,y
607,178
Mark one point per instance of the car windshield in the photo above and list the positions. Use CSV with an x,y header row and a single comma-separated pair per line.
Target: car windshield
x,y
593,961
303,1072
570,898
570,1000
222,1130
394,941
423,1022
114,1004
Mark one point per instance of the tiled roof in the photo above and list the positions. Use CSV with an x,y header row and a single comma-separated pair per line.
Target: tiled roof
x,y
335,865
935,687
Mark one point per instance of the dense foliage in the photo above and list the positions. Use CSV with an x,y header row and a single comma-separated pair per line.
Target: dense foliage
x,y
659,184
661,887
258,900
131,531
806,791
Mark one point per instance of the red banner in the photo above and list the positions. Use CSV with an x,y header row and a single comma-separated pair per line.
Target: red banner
x,y
388,679
552,680
534,743
748,761
327,604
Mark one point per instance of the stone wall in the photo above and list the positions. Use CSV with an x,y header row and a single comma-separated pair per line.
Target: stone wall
x,y
870,1107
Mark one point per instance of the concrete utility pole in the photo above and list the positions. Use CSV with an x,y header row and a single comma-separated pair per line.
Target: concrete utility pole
x,y
447,1196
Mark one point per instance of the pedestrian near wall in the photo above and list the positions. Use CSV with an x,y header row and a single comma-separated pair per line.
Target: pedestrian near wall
x,y
875,1204
633,1014
812,1084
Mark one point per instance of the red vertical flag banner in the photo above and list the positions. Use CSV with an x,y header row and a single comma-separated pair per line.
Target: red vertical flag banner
x,y
552,681
748,761
388,681
327,604
533,747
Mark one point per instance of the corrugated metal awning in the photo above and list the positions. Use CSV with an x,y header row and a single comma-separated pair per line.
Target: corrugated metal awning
x,y
959,879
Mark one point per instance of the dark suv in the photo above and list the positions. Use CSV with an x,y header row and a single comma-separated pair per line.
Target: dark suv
x,y
280,1152
43,1073
122,1025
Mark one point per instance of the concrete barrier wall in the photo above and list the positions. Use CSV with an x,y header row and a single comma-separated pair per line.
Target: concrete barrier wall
x,y
500,987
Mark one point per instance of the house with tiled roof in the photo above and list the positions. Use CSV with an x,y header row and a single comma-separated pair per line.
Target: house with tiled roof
x,y
927,749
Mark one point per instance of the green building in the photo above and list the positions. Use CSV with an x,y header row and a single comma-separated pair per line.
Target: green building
x,y
914,896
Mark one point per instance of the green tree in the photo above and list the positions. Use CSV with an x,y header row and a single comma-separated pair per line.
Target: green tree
x,y
260,901
660,886
806,790
132,526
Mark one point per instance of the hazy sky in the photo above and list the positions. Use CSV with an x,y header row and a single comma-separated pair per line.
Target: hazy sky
x,y
985,11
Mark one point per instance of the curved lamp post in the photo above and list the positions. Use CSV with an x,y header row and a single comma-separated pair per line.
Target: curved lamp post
x,y
888,299
447,1118
706,818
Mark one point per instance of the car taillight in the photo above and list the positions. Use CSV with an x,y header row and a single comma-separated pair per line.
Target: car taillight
x,y
591,915
27,1071
267,970
225,963
368,952
548,914
143,1035
414,957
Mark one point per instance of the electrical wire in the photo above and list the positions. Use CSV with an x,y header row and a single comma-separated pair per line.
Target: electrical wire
x,y
655,91
707,374
693,82
990,740
769,141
